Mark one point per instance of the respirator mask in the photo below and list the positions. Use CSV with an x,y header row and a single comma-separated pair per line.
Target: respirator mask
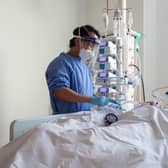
x,y
86,55
89,47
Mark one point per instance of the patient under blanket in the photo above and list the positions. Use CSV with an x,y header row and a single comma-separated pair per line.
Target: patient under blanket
x,y
139,139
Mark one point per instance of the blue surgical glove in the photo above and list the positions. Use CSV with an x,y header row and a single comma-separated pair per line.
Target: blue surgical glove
x,y
116,106
102,101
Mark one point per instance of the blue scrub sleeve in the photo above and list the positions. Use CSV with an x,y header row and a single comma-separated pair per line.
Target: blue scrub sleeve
x,y
58,76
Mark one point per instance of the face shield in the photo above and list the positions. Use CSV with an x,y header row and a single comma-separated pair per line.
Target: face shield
x,y
90,42
89,47
89,51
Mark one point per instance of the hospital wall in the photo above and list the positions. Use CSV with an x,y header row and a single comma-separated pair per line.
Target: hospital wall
x,y
155,44
32,33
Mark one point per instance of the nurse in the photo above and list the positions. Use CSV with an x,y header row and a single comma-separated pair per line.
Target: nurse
x,y
69,78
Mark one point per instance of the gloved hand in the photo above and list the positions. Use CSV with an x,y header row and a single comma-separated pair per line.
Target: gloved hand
x,y
102,101
116,106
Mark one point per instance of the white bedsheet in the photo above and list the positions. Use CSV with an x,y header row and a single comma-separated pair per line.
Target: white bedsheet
x,y
138,140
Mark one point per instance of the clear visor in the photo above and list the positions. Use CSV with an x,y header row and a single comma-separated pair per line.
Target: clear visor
x,y
95,41
89,42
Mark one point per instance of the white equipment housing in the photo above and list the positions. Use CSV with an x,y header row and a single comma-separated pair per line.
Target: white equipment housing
x,y
116,75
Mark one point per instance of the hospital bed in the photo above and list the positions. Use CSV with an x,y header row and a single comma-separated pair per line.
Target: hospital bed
x,y
19,126
138,139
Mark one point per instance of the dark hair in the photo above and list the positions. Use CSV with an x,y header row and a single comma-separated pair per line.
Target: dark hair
x,y
83,31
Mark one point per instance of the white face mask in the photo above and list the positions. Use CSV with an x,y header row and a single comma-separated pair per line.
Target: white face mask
x,y
86,55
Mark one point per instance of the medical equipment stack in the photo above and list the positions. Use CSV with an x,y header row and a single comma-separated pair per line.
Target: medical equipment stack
x,y
117,68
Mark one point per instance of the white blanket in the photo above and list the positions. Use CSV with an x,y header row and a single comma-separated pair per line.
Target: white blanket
x,y
138,140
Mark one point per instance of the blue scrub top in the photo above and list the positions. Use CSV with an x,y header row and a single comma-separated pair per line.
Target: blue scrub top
x,y
68,71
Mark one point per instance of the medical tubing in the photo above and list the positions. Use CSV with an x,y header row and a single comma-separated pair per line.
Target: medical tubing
x,y
142,81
